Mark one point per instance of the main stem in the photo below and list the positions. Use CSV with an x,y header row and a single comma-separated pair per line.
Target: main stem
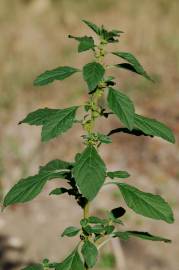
x,y
99,56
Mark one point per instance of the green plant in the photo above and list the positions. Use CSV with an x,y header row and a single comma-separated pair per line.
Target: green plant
x,y
86,175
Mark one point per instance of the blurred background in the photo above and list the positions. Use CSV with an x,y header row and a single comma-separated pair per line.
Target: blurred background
x,y
34,39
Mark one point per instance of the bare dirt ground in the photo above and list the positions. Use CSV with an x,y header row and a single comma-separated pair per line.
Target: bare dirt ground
x,y
32,41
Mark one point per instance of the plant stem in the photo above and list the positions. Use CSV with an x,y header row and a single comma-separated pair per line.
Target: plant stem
x,y
86,210
94,108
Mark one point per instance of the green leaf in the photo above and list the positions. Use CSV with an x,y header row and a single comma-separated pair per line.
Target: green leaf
x,y
58,191
104,138
93,73
54,121
34,267
39,117
56,169
133,65
59,73
57,166
28,188
70,231
110,36
58,123
97,229
154,128
90,253
25,190
84,222
118,174
143,235
89,172
147,127
72,262
93,26
85,43
96,220
146,204
122,106
87,230
109,229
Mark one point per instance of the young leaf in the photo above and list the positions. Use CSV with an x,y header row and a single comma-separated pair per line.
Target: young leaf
x,y
72,262
54,121
70,231
110,36
118,174
109,229
85,43
146,204
143,235
104,138
84,222
122,106
97,229
34,267
93,26
58,191
90,253
132,65
59,73
93,73
154,128
96,220
89,172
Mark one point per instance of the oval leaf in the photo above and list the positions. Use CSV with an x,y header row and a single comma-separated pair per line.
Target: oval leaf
x,y
89,172
122,106
96,220
90,253
146,204
93,74
59,73
70,231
